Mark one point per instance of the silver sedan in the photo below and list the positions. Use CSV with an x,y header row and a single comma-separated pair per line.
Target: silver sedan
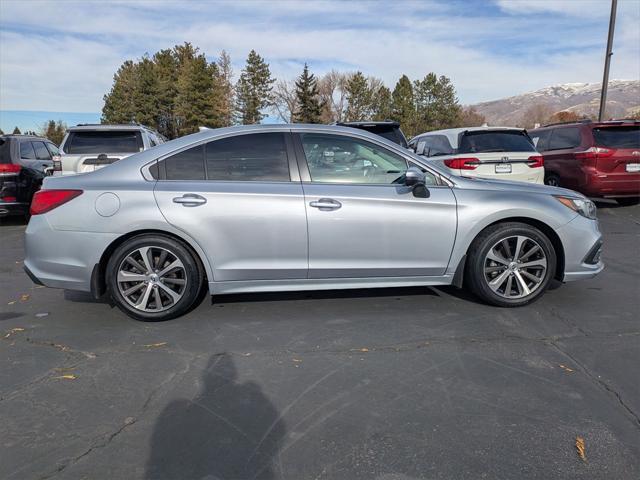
x,y
299,207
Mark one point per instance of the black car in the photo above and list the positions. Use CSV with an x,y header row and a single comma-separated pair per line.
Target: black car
x,y
387,129
24,161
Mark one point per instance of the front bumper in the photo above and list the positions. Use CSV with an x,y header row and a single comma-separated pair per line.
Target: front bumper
x,y
582,242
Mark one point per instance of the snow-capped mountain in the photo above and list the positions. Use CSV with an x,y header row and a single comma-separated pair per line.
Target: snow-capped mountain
x,y
623,97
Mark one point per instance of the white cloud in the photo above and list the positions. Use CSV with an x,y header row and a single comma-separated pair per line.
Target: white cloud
x,y
62,56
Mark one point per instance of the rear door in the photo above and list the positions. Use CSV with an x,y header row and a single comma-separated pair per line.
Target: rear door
x,y
564,142
362,220
241,199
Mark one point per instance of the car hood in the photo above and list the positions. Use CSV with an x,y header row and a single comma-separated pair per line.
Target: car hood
x,y
505,185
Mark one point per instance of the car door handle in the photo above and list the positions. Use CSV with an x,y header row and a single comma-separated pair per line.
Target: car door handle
x,y
326,204
190,200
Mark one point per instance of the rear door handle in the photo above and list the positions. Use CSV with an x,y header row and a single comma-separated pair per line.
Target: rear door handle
x,y
190,200
326,204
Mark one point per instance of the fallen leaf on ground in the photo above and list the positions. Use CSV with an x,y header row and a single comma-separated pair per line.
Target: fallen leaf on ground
x,y
364,349
69,376
296,360
14,331
11,303
43,314
154,345
248,354
565,368
24,297
580,448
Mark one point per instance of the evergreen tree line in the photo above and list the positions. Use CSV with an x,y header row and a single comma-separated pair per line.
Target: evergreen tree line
x,y
178,90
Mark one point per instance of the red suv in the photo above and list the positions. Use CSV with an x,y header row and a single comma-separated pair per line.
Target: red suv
x,y
599,159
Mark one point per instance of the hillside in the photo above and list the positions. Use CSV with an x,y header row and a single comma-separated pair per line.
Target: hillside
x,y
623,97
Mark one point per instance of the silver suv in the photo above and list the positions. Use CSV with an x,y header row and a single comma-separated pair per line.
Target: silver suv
x,y
86,148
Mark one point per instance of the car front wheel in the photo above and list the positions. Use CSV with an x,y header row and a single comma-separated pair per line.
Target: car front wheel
x,y
510,264
154,278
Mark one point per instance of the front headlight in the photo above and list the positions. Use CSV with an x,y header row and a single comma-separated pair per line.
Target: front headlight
x,y
583,206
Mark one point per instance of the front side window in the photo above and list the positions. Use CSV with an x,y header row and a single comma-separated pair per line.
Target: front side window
x,y
103,141
563,138
186,165
252,157
341,159
26,151
41,151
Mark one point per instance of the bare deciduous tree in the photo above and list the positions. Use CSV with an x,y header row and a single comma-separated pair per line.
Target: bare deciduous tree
x,y
333,95
284,100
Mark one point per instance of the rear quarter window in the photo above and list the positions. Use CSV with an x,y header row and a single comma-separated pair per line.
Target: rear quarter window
x,y
617,137
541,139
495,141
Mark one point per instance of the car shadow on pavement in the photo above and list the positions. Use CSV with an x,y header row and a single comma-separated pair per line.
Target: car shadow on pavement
x,y
85,297
322,294
228,430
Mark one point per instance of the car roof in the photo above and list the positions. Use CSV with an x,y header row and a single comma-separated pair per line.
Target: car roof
x,y
381,123
590,124
453,134
25,137
107,127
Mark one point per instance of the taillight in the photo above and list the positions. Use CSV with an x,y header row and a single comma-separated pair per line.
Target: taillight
x,y
8,199
9,168
462,163
46,200
57,163
594,153
536,161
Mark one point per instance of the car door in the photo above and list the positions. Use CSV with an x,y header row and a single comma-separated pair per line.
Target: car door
x,y
241,199
362,220
563,143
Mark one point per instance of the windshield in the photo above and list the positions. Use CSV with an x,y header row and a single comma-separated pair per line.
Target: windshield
x,y
107,141
617,137
496,141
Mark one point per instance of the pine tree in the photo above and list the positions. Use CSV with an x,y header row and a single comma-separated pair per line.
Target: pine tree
x,y
1,132
309,107
146,93
436,103
16,131
119,103
225,74
253,90
403,106
359,98
165,66
54,131
382,104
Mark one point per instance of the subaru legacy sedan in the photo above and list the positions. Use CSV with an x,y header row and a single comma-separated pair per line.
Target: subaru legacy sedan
x,y
299,207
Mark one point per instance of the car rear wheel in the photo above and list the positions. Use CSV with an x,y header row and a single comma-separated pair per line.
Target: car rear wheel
x,y
510,264
552,180
154,278
628,201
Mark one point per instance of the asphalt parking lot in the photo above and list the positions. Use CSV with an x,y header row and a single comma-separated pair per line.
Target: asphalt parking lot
x,y
373,384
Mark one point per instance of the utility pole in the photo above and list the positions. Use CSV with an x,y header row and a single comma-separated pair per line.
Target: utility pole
x,y
607,60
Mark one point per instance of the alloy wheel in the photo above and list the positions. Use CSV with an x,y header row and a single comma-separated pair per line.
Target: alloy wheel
x,y
152,279
515,267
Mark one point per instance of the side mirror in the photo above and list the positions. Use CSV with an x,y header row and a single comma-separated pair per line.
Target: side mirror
x,y
414,176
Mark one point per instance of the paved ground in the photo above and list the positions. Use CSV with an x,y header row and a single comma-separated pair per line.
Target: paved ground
x,y
372,384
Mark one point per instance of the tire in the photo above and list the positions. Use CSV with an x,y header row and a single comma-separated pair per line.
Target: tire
x,y
628,201
169,294
507,291
552,180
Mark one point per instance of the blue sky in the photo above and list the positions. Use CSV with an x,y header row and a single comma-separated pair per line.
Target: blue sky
x,y
60,55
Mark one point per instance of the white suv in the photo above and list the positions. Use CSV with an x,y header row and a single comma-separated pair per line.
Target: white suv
x,y
502,153
86,148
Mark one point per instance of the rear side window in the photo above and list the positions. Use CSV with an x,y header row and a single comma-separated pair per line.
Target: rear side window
x,y
495,141
541,140
98,141
26,151
186,165
41,151
435,145
5,150
253,157
53,149
617,137
563,138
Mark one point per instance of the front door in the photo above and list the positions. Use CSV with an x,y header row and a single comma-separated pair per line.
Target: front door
x,y
238,199
361,221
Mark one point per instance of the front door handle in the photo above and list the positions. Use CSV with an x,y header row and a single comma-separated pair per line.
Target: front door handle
x,y
190,200
326,204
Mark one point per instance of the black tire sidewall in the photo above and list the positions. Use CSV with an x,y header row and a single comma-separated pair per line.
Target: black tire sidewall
x,y
193,272
552,176
481,248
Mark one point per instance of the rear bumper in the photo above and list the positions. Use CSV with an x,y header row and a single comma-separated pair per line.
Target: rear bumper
x,y
13,208
62,258
582,242
612,184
